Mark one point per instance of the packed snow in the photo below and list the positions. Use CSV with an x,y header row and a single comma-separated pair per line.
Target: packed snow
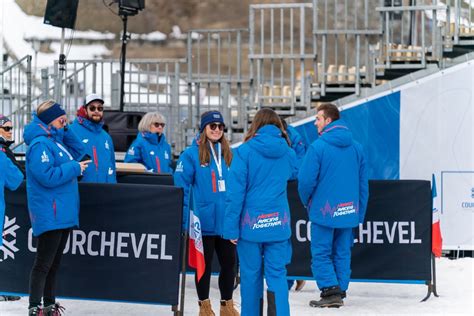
x,y
455,289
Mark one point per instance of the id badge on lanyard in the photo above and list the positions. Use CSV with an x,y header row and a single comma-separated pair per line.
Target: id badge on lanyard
x,y
218,161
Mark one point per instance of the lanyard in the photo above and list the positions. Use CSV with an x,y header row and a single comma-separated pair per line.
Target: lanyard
x,y
218,160
65,150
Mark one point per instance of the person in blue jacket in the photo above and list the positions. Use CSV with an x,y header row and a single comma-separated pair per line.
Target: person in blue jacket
x,y
297,144
88,126
333,185
150,147
257,216
52,169
202,171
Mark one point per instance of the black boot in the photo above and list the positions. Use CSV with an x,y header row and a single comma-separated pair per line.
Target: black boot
x,y
330,297
343,294
271,306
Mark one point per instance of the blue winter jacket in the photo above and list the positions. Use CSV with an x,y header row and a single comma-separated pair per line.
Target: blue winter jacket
x,y
52,171
152,151
257,207
296,143
201,191
99,147
333,180
10,177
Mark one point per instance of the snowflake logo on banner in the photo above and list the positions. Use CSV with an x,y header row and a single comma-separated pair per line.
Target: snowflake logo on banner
x,y
8,248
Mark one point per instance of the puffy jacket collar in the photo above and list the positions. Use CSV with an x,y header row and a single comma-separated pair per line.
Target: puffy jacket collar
x,y
337,134
153,138
269,142
92,126
37,128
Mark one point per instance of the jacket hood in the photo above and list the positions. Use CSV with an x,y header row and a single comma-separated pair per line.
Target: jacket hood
x,y
269,142
152,137
337,134
37,128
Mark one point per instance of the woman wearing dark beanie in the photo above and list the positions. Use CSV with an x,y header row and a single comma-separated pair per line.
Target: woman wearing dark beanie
x,y
52,168
202,172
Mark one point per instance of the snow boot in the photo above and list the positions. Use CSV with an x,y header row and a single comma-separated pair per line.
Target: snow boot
x,y
330,297
228,309
35,311
54,310
299,285
271,305
343,294
205,308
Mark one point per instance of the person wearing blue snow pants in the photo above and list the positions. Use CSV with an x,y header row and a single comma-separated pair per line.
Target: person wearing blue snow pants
x,y
333,185
257,216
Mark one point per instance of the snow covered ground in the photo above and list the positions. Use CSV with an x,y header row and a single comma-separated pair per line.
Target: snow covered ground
x,y
455,287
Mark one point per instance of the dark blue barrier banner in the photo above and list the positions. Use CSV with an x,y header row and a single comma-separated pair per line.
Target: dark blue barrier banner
x,y
127,247
394,242
145,178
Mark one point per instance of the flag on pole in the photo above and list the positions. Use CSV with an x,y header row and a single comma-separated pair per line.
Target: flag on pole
x,y
436,239
196,248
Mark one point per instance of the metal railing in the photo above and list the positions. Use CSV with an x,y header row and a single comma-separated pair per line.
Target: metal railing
x,y
216,80
280,55
15,97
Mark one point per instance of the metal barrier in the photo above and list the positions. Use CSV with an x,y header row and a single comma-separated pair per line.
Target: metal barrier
x,y
15,85
344,32
461,28
408,48
279,54
216,79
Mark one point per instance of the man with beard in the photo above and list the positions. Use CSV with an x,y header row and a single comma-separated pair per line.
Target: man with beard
x,y
6,139
99,146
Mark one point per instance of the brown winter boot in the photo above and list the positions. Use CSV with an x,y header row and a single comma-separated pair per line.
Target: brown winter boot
x,y
205,308
228,309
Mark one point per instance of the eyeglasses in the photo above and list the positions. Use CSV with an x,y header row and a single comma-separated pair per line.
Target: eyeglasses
x,y
98,108
62,121
156,124
6,128
213,126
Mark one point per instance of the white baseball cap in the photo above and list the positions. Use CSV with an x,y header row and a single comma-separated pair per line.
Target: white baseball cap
x,y
93,97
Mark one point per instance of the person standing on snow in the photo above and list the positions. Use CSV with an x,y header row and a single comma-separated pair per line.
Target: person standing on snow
x,y
98,143
52,168
333,185
202,171
257,216
150,147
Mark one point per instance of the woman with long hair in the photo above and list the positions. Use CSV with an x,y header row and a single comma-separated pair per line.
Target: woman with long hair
x,y
52,168
202,173
257,216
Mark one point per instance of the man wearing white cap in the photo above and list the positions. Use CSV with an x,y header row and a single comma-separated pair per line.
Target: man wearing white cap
x,y
99,146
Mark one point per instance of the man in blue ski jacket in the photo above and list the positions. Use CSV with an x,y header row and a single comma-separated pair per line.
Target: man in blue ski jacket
x,y
333,185
98,143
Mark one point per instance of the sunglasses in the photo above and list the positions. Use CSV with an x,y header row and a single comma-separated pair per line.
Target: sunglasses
x,y
98,108
6,128
159,124
213,126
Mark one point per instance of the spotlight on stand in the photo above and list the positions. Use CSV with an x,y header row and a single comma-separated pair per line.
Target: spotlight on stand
x,y
126,8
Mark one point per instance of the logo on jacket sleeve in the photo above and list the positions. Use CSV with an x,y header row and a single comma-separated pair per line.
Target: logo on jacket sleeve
x,y
179,167
107,145
111,171
85,140
44,157
152,153
131,151
166,155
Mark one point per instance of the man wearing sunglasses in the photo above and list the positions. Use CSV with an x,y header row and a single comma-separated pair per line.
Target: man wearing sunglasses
x,y
6,139
88,126
10,177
